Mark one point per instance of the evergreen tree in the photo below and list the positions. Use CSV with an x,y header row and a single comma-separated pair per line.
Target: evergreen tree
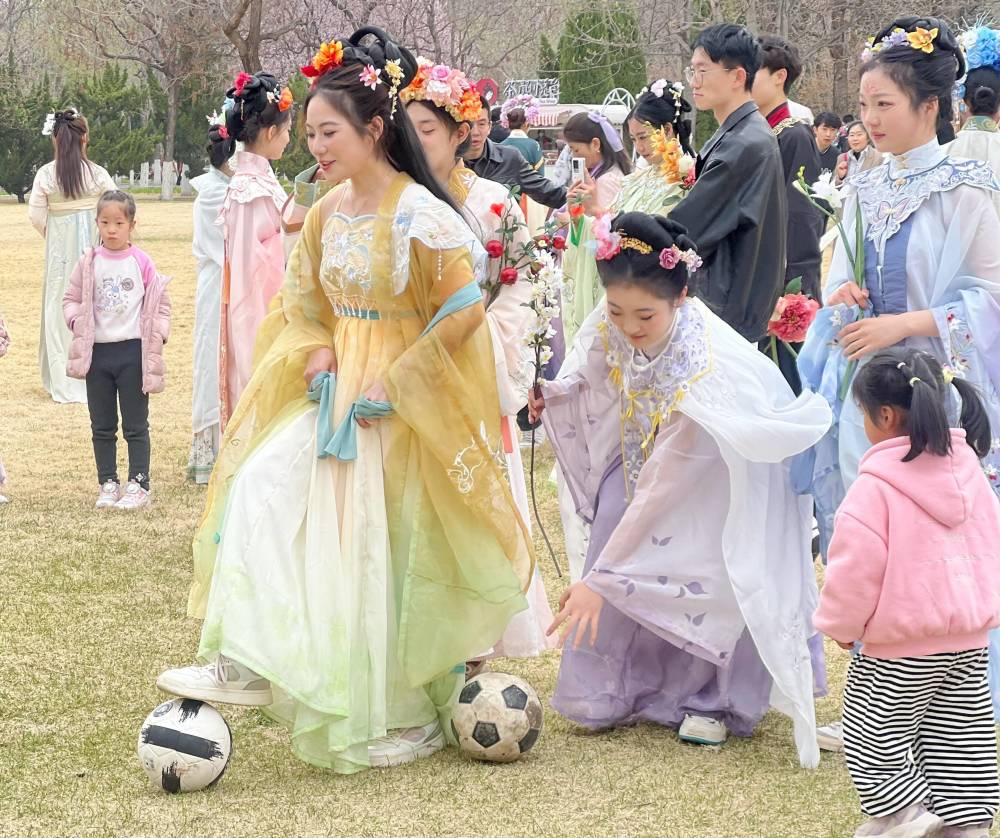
x,y
548,61
598,51
117,111
297,157
23,149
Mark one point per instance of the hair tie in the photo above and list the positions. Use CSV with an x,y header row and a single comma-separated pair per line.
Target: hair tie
x,y
914,380
948,375
610,134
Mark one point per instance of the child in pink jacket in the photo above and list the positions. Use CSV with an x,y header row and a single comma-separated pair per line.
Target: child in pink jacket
x,y
117,308
914,574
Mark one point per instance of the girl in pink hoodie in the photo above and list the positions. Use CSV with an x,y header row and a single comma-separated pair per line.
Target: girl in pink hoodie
x,y
914,575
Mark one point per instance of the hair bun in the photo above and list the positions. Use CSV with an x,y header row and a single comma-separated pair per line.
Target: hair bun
x,y
945,42
658,231
380,51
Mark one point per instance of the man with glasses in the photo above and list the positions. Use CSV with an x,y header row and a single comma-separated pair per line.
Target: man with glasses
x,y
736,211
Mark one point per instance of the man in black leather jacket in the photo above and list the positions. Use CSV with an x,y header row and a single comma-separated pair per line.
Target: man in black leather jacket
x,y
736,212
506,165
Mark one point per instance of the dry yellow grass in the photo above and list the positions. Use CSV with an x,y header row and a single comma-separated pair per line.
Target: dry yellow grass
x,y
92,608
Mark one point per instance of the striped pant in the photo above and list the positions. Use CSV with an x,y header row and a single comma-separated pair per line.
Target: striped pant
x,y
920,730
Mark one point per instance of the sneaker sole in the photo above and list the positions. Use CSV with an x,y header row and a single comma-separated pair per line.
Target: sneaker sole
x,y
426,749
829,744
697,740
256,698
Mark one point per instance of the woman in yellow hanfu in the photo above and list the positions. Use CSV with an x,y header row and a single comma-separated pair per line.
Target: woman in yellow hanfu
x,y
361,543
657,118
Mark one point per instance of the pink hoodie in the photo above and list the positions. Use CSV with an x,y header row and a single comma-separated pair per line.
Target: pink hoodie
x,y
914,564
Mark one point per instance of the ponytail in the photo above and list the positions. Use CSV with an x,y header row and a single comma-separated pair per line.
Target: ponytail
x,y
69,132
915,382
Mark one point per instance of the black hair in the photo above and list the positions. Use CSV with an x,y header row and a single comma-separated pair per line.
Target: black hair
x,y
913,381
516,118
848,117
982,91
249,114
732,46
116,196
852,125
829,119
219,149
360,105
69,133
631,267
778,54
494,111
660,111
447,120
580,128
922,75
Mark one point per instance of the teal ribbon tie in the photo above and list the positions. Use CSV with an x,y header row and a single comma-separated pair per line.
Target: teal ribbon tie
x,y
342,443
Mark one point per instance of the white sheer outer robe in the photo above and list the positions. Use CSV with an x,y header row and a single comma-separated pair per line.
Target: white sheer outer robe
x,y
739,398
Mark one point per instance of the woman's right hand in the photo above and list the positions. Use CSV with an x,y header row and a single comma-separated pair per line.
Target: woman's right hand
x,y
849,294
536,404
320,360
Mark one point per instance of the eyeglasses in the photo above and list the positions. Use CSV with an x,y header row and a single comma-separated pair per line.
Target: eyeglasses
x,y
693,74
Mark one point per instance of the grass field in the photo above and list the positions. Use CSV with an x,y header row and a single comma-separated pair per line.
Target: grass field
x,y
92,609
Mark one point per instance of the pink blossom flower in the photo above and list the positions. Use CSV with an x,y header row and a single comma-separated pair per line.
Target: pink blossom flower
x,y
440,72
370,77
793,314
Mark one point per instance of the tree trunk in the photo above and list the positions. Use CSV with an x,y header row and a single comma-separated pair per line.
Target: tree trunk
x,y
173,106
20,197
252,59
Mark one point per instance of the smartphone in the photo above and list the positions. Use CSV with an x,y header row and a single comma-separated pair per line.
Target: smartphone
x,y
578,168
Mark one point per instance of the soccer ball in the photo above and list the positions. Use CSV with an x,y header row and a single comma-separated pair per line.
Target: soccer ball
x,y
184,745
497,717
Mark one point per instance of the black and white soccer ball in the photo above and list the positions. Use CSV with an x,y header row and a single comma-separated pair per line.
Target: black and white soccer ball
x,y
497,717
184,745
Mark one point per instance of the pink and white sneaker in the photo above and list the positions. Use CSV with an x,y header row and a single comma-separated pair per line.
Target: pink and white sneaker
x,y
109,495
134,497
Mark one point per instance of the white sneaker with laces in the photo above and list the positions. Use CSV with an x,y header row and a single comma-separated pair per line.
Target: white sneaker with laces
x,y
134,497
701,730
399,747
224,681
830,737
109,495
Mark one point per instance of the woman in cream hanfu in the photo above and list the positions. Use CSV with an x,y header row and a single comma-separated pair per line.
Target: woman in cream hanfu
x,y
62,208
442,114
360,541
675,437
208,246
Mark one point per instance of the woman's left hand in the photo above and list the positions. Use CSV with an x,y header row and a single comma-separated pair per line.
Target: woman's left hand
x,y
579,608
870,334
375,393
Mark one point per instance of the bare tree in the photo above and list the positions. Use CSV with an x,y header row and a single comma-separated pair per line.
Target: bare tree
x,y
244,26
176,39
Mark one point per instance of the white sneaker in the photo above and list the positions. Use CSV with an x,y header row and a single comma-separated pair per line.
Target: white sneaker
x,y
134,497
109,495
224,681
830,737
700,730
399,747
912,822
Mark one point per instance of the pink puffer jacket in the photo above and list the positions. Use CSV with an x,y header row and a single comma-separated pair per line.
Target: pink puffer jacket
x,y
154,322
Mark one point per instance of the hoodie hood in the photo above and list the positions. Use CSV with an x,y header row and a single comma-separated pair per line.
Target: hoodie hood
x,y
943,487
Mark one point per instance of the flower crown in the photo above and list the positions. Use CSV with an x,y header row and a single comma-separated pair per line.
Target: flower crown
x,y
920,38
330,55
610,243
981,48
445,87
525,101
281,98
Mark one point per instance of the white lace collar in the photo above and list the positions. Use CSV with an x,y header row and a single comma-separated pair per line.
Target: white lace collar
x,y
917,160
